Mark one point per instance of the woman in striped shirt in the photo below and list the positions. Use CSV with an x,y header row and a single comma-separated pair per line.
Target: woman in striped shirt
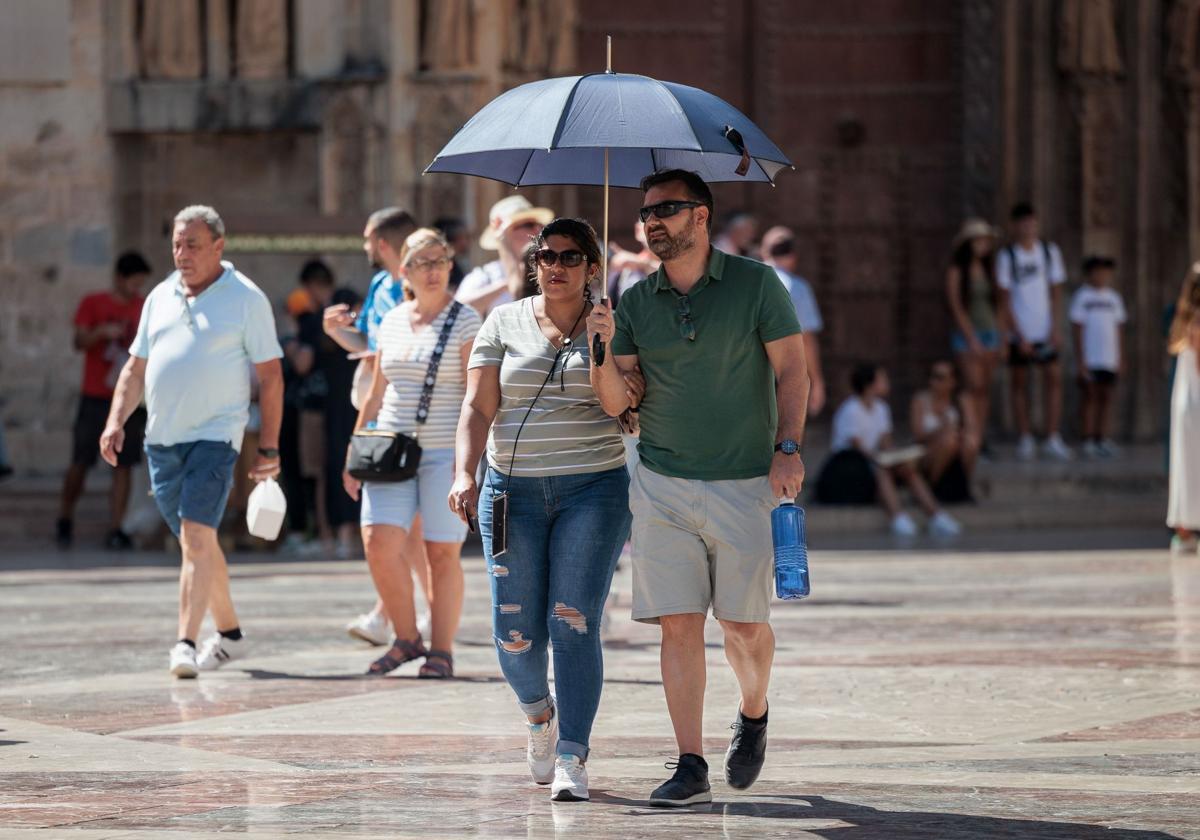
x,y
406,339
560,460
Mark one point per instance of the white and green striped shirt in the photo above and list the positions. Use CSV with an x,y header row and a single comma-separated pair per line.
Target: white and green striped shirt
x,y
567,432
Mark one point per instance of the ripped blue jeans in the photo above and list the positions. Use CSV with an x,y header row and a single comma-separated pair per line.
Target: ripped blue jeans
x,y
565,534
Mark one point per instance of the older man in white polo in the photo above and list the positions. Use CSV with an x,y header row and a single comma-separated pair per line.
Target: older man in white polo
x,y
202,331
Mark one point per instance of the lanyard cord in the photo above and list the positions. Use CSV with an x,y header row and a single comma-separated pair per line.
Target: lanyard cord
x,y
566,346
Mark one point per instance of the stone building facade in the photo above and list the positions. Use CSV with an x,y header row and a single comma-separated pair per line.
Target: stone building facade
x,y
295,118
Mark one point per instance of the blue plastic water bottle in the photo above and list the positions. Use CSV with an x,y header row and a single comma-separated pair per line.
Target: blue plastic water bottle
x,y
791,554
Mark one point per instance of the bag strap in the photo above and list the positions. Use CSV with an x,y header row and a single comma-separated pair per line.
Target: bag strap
x,y
435,362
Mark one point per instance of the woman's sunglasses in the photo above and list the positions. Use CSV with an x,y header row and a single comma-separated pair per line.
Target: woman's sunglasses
x,y
665,209
545,257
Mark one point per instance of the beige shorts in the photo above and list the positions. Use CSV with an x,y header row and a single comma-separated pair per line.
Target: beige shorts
x,y
701,544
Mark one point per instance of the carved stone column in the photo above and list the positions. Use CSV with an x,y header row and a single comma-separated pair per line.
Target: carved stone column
x,y
170,46
262,39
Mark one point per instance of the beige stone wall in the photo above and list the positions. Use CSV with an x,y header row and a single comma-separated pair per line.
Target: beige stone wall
x,y
56,238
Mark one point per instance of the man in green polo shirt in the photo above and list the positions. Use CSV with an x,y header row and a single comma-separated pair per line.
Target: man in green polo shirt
x,y
717,340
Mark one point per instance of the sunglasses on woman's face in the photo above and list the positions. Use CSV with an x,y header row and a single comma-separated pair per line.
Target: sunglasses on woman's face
x,y
665,209
545,257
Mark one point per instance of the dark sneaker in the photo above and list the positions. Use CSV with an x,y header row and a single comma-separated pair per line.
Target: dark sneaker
x,y
747,750
63,533
118,540
689,785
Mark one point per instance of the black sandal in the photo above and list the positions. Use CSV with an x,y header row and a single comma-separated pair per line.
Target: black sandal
x,y
401,651
439,665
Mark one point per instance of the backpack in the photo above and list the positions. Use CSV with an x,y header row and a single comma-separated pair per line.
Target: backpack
x,y
1012,261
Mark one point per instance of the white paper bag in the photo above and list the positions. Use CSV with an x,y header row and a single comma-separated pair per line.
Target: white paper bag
x,y
265,510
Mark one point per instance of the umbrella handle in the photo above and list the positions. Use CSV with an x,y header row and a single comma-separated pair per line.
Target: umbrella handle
x,y
597,351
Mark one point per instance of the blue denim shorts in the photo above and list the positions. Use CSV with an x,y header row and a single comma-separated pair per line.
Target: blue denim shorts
x,y
191,480
397,502
990,339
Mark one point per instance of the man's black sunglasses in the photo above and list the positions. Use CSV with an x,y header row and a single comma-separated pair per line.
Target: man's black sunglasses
x,y
665,209
546,257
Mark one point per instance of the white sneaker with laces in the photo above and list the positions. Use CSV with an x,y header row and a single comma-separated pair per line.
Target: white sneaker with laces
x,y
183,661
903,525
1056,450
543,744
218,651
373,628
1026,448
570,780
943,524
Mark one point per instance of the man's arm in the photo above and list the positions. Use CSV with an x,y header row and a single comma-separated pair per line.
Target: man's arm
x,y
270,405
336,322
812,357
126,398
791,394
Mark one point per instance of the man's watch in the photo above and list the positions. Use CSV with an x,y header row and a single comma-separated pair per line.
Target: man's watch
x,y
788,447
268,453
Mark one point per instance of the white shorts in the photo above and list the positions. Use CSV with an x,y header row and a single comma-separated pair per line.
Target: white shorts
x,y
397,502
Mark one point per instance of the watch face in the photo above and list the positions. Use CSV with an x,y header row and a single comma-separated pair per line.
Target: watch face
x,y
788,447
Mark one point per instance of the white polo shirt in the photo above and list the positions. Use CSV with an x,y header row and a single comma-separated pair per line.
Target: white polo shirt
x,y
197,351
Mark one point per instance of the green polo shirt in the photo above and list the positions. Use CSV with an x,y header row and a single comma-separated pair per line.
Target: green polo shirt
x,y
709,412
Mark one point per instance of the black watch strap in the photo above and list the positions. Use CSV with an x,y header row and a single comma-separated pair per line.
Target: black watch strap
x,y
268,453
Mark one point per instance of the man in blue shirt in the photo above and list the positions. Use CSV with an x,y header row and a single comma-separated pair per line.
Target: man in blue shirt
x,y
202,332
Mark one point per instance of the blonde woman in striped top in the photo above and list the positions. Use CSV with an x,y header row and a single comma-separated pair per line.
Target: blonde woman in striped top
x,y
561,461
407,337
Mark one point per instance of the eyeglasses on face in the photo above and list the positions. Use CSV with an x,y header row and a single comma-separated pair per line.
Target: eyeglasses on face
x,y
428,265
687,327
546,257
665,209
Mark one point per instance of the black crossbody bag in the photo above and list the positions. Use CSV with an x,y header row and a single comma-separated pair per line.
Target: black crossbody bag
x,y
376,455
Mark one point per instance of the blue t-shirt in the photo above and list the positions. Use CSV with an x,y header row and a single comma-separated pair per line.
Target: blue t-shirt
x,y
382,296
198,355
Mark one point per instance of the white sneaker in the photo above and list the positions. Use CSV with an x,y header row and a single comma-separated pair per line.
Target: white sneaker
x,y
1056,450
543,744
183,661
570,780
218,651
903,525
1107,449
1090,449
942,524
1184,545
1026,448
373,628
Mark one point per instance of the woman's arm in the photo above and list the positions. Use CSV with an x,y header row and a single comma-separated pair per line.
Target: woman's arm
x,y
916,412
479,409
366,414
954,281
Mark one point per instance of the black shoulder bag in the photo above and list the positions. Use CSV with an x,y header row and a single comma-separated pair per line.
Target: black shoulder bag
x,y
376,455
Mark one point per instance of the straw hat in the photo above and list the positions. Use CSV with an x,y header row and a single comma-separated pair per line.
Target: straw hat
x,y
974,229
507,212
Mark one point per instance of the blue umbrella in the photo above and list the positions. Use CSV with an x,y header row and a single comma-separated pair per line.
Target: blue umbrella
x,y
609,129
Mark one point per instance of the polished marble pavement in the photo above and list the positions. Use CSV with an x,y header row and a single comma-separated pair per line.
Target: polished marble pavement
x,y
935,692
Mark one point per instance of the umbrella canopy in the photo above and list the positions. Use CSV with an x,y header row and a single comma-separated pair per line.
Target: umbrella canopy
x,y
555,131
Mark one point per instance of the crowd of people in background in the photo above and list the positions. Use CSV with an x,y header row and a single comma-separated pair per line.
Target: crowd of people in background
x,y
1005,304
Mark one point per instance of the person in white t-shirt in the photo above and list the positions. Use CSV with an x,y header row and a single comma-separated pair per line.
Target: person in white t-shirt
x,y
1030,275
512,223
1097,314
862,428
779,252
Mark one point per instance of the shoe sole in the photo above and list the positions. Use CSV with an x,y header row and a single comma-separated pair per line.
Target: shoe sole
x,y
355,633
567,796
185,672
694,799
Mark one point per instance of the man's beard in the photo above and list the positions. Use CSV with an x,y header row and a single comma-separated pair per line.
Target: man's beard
x,y
669,247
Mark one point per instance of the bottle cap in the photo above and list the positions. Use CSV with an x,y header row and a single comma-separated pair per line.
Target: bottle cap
x,y
788,500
